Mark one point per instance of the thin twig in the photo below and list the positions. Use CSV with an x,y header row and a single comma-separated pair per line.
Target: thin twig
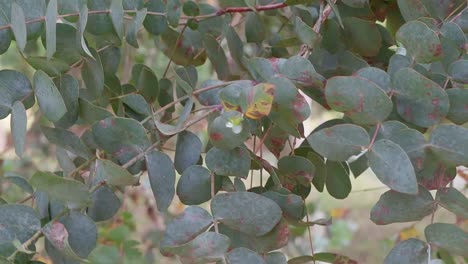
x,y
29,197
309,231
176,44
180,99
377,128
140,155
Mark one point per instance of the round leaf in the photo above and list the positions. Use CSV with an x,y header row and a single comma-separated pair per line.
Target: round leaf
x,y
194,186
234,162
421,42
392,166
162,178
246,212
394,207
360,99
411,251
449,143
447,236
228,130
339,142
188,150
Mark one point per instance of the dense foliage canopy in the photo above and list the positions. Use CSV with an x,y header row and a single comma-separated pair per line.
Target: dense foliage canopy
x,y
397,70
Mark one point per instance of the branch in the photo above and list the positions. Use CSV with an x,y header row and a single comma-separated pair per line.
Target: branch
x,y
220,12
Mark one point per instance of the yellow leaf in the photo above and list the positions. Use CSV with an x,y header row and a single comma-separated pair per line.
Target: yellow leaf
x,y
260,100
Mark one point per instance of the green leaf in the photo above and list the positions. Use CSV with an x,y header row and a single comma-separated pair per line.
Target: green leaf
x,y
356,3
394,207
290,107
50,21
48,96
173,12
376,75
411,10
292,205
57,236
246,212
19,222
67,48
296,169
275,258
51,66
90,113
301,71
339,142
93,74
19,181
162,178
71,192
306,34
216,55
186,226
323,257
191,8
457,71
105,204
411,251
421,42
145,81
117,16
18,124
66,140
360,99
235,45
188,150
206,247
392,166
194,186
447,236
155,24
169,130
244,256
112,174
122,138
418,99
135,25
254,28
362,36
14,86
82,238
233,162
224,131
337,179
81,26
458,112
137,104
18,25
453,200
433,173
275,141
448,142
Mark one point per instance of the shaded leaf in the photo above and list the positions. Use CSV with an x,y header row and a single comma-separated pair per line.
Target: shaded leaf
x,y
247,212
411,10
362,36
292,205
50,22
19,181
14,86
186,226
360,99
457,71
234,162
18,25
421,42
105,204
156,24
339,142
66,140
18,124
71,192
376,75
117,16
51,66
49,98
188,150
133,28
173,12
448,142
305,33
19,222
337,179
93,74
112,174
392,166
244,256
296,169
418,99
453,200
145,81
447,236
162,178
168,129
411,251
206,247
216,55
394,207
458,112
194,185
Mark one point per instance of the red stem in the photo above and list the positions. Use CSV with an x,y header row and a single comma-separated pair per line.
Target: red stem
x,y
249,9
377,128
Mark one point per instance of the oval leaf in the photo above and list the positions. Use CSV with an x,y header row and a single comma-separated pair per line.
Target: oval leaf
x,y
162,178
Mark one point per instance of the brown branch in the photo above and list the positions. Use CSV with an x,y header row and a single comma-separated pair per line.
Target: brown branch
x,y
220,12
